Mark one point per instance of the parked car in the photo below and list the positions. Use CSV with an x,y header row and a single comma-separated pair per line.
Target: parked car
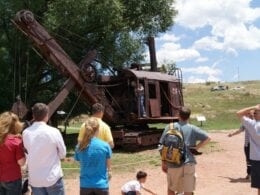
x,y
219,88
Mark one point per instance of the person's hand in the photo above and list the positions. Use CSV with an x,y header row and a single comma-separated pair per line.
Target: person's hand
x,y
164,167
194,151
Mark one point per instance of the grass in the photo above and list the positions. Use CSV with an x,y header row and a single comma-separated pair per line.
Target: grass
x,y
220,107
121,162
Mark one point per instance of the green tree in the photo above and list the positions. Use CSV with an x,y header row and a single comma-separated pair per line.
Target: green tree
x,y
116,28
169,68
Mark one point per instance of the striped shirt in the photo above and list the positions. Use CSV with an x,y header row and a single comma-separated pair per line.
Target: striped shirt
x,y
242,127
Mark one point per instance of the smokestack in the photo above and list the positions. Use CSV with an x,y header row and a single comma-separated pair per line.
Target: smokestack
x,y
153,61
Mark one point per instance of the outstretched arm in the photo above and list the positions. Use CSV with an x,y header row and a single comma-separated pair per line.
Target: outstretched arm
x,y
236,132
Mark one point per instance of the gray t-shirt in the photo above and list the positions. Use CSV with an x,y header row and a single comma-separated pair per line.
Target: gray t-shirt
x,y
191,134
253,128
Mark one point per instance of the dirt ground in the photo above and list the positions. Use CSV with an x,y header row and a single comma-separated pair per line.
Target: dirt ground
x,y
218,173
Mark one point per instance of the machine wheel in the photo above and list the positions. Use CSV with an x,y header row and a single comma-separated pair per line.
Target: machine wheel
x,y
89,73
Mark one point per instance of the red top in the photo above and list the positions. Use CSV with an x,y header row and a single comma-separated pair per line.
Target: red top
x,y
10,152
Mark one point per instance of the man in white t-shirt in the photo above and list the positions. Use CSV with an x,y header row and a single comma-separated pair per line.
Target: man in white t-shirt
x,y
253,128
45,147
134,187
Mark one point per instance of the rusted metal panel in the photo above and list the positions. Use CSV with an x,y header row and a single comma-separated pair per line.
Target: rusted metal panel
x,y
175,99
155,108
158,97
69,84
139,74
164,119
57,101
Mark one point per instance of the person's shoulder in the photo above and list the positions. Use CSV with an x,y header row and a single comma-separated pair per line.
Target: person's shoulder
x,y
194,127
52,129
247,119
13,139
104,125
25,133
28,129
133,182
99,141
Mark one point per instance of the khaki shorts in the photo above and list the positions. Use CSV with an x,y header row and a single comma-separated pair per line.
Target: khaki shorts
x,y
182,179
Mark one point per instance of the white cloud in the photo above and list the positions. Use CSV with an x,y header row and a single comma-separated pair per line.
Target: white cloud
x,y
193,79
202,59
232,52
168,37
172,52
210,73
203,70
215,64
208,43
219,14
231,22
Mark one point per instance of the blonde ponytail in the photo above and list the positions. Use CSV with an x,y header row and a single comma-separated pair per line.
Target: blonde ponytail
x,y
91,127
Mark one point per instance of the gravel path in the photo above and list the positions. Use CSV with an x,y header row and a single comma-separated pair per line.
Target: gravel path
x,y
218,173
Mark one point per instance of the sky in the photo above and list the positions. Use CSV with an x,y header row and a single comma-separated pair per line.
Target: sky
x,y
213,40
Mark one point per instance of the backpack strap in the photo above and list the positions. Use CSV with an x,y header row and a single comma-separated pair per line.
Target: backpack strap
x,y
181,131
180,134
171,126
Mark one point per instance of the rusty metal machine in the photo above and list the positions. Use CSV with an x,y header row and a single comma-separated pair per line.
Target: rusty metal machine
x,y
118,92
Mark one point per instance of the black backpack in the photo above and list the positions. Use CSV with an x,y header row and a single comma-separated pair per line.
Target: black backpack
x,y
173,147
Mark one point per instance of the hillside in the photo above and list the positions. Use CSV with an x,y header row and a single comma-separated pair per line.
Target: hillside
x,y
219,107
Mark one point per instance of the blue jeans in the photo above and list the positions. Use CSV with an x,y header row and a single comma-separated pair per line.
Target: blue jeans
x,y
56,189
94,191
11,188
142,109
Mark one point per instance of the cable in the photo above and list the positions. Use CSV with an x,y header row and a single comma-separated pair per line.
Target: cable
x,y
26,76
14,68
19,67
67,117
